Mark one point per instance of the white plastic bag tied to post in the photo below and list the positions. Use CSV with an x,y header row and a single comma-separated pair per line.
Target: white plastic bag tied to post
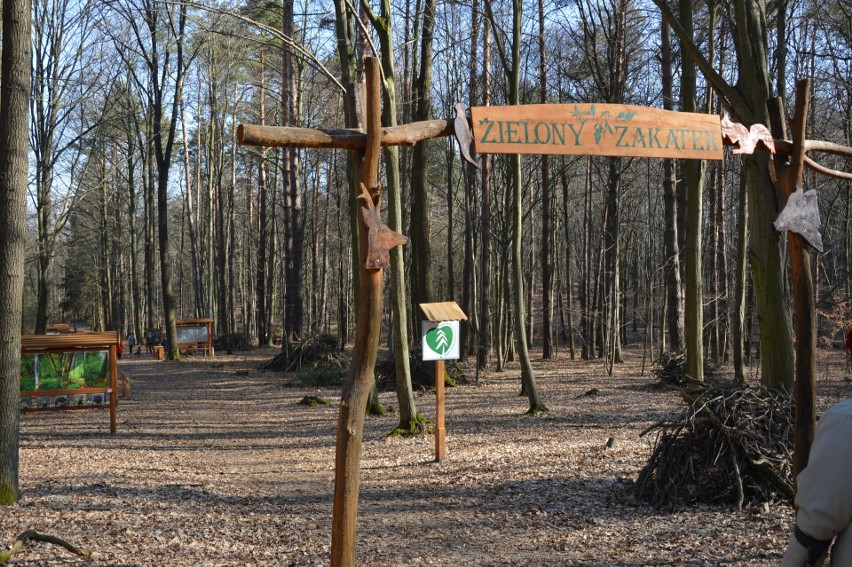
x,y
801,215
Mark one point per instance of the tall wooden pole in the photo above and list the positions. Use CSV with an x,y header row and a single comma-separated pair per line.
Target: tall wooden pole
x,y
790,180
113,385
356,391
440,429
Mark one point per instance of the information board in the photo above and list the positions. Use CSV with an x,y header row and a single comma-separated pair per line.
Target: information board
x,y
192,334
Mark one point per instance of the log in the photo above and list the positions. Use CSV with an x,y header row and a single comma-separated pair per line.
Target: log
x,y
344,138
32,535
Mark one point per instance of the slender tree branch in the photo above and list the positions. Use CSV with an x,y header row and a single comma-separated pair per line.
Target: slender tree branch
x,y
738,106
826,171
497,39
32,535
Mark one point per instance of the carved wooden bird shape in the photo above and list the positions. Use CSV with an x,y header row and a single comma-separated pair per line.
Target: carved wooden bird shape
x,y
746,140
462,131
380,238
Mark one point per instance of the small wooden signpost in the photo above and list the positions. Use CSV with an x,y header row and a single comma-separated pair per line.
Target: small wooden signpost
x,y
440,343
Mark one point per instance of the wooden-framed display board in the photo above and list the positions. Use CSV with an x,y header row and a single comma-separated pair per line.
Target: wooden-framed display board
x,y
60,329
70,372
195,335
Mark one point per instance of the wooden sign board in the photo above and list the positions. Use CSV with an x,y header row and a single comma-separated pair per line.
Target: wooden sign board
x,y
596,129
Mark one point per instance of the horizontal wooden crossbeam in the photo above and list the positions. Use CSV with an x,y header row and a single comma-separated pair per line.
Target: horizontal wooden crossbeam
x,y
342,138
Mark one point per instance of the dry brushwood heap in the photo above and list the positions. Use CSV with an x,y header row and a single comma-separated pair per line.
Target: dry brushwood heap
x,y
671,370
318,350
422,372
731,445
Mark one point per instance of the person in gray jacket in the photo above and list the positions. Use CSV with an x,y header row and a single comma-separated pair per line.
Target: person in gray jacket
x,y
824,496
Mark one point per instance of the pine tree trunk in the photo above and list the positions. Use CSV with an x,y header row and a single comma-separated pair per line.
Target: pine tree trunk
x,y
262,317
291,174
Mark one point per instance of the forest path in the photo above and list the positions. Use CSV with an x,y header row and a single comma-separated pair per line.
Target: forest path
x,y
216,463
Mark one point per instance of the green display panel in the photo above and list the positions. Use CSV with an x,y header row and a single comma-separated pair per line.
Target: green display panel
x,y
64,370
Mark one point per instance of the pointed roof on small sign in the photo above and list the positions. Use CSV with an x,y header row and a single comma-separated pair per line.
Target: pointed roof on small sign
x,y
447,311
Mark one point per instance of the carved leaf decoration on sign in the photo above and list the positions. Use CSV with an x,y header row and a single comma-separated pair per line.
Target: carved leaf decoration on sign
x,y
745,139
380,238
801,215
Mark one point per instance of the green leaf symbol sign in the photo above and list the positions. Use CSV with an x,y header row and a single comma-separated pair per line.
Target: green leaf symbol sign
x,y
440,339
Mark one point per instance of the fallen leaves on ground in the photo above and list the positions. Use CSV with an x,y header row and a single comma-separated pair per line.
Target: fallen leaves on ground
x,y
215,464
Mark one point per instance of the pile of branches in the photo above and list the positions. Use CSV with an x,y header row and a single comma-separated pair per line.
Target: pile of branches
x,y
670,370
237,341
422,373
731,445
319,350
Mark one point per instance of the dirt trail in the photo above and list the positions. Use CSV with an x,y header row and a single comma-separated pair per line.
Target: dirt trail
x,y
215,463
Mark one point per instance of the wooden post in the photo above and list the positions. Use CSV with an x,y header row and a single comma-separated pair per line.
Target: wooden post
x,y
113,385
356,391
789,180
440,430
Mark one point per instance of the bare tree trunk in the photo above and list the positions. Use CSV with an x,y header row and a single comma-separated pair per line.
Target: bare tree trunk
x,y
232,240
264,333
767,259
409,419
470,330
450,155
547,209
569,287
150,226
190,216
514,72
694,177
611,249
133,244
106,241
14,114
421,248
485,331
740,333
674,289
163,143
586,320
293,221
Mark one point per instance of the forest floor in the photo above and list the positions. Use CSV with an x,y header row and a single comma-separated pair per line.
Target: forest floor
x,y
216,463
